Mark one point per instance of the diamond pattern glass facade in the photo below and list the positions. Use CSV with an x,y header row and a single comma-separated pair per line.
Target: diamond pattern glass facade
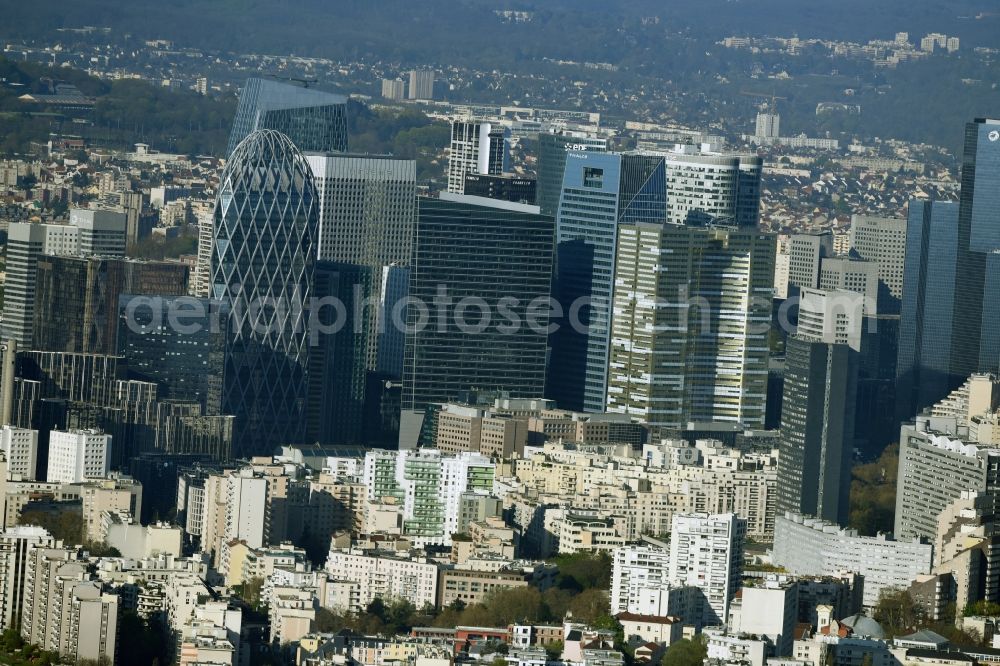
x,y
266,219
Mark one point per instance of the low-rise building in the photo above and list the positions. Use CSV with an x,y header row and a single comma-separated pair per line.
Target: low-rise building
x,y
386,575
814,547
661,629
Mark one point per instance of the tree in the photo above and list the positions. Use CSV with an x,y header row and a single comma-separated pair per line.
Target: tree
x,y
376,608
398,616
686,652
250,592
982,608
101,549
582,571
873,494
65,525
476,615
557,600
897,612
590,605
143,641
516,604
27,183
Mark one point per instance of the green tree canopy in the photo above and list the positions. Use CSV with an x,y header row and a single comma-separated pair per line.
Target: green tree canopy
x,y
686,652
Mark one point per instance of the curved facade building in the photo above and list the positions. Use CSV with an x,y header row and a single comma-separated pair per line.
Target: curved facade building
x,y
265,221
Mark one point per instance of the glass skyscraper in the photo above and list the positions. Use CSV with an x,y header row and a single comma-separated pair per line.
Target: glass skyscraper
x,y
76,298
599,191
186,361
314,120
923,364
975,338
335,403
367,214
818,411
265,222
552,151
498,257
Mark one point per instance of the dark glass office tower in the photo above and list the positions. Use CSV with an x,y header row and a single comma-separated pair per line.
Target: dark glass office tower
x,y
923,365
975,345
818,411
76,298
472,258
265,222
314,120
817,428
337,355
552,150
177,343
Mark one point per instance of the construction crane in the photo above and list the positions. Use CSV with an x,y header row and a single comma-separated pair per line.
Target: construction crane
x,y
305,82
765,96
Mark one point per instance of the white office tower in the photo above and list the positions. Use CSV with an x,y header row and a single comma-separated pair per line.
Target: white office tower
x,y
89,232
393,89
850,274
768,125
78,455
831,317
706,552
102,232
367,207
705,186
247,509
20,447
421,84
476,147
881,240
805,254
16,544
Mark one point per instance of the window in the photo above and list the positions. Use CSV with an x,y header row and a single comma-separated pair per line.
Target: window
x,y
593,177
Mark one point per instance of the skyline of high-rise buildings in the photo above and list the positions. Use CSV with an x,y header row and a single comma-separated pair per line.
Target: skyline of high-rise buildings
x,y
624,368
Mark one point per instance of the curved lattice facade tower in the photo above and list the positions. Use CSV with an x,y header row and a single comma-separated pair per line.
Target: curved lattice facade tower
x,y
266,220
